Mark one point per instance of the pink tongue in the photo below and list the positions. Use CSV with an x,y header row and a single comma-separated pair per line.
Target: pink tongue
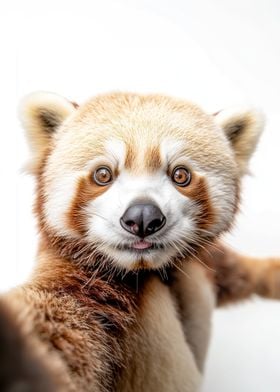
x,y
141,245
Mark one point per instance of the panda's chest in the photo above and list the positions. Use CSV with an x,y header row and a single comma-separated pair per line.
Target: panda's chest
x,y
158,357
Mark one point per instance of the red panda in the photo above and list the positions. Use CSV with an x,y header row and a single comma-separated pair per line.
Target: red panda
x,y
133,194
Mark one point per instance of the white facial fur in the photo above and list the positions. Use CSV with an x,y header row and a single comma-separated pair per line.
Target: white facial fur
x,y
104,212
111,206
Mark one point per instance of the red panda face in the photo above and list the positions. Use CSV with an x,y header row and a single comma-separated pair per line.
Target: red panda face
x,y
138,181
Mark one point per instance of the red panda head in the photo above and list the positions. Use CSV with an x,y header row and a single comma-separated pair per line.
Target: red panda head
x,y
135,181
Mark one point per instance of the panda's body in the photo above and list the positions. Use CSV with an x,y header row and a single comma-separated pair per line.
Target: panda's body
x,y
132,194
91,341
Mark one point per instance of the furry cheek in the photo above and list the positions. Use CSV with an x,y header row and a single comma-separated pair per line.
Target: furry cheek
x,y
198,192
216,199
64,200
54,201
86,191
225,197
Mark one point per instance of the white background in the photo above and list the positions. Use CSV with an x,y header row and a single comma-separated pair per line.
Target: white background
x,y
216,53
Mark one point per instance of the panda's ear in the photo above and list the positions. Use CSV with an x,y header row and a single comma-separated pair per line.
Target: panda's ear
x,y
242,127
41,113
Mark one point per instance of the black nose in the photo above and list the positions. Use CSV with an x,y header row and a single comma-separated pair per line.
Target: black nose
x,y
143,219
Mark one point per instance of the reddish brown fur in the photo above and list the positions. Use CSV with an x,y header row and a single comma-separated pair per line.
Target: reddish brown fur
x,y
40,198
151,162
86,191
84,316
236,277
197,191
153,159
130,156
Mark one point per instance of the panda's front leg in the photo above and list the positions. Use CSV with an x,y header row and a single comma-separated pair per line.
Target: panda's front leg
x,y
194,294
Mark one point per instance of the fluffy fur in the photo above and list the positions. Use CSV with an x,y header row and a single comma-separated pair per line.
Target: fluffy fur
x,y
98,314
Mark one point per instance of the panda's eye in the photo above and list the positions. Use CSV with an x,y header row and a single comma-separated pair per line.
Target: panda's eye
x,y
181,176
103,176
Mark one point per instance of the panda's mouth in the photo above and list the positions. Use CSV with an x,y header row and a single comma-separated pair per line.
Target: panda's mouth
x,y
141,246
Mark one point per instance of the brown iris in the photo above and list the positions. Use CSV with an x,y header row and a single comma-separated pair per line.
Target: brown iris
x,y
181,176
103,176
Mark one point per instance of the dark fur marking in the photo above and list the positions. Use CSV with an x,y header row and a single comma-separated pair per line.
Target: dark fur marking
x,y
49,120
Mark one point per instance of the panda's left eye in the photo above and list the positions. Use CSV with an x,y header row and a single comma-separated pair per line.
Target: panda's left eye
x,y
103,176
181,176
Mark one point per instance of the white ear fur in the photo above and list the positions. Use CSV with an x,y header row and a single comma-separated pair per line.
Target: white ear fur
x,y
41,113
243,127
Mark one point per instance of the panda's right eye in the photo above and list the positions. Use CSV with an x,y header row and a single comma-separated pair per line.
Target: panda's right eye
x,y
103,176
